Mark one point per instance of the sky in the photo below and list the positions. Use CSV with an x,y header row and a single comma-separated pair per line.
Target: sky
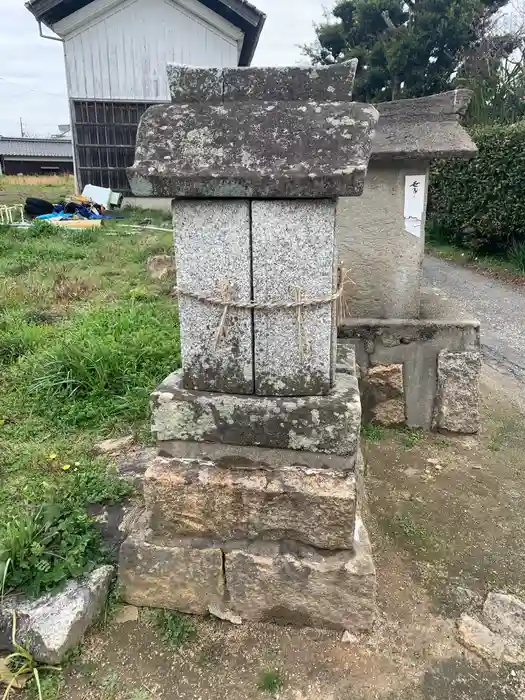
x,y
32,76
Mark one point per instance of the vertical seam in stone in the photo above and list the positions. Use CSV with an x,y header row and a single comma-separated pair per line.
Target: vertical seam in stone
x,y
334,339
252,293
224,580
223,85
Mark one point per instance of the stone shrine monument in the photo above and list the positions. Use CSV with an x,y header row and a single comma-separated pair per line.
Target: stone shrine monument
x,y
253,506
382,236
391,320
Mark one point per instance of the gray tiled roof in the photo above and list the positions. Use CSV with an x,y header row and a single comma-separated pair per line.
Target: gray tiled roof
x,y
35,148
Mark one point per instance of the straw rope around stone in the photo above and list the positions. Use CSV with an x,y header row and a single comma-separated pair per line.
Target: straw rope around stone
x,y
227,300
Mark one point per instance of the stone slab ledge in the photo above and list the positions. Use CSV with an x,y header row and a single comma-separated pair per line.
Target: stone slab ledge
x,y
323,424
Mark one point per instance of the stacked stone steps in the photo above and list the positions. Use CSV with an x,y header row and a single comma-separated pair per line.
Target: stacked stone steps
x,y
263,532
282,543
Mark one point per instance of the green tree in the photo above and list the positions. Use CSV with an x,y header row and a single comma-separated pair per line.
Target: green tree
x,y
407,48
497,78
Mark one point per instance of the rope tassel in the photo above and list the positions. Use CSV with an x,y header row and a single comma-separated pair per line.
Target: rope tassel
x,y
227,292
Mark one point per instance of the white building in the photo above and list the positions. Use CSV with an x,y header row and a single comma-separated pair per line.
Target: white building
x,y
116,53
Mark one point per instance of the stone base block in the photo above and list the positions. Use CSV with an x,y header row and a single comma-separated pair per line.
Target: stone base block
x,y
283,582
302,586
327,424
184,578
458,393
198,498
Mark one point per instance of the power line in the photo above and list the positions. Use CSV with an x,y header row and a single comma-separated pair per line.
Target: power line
x,y
30,89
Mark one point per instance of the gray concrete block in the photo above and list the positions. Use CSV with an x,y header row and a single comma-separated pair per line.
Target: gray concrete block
x,y
329,424
182,576
290,83
420,381
293,244
416,344
198,498
458,392
212,242
387,335
303,587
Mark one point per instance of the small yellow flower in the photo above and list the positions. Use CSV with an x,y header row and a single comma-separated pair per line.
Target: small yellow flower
x,y
66,467
52,457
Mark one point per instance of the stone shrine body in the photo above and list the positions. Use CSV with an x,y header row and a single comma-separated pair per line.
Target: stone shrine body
x,y
253,507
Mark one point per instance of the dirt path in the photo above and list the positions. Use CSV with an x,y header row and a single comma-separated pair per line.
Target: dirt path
x,y
444,535
499,306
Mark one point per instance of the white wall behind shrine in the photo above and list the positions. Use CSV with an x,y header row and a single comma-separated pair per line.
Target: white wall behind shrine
x,y
118,49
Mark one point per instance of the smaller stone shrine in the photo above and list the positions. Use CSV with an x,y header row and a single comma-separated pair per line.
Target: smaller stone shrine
x,y
254,503
391,319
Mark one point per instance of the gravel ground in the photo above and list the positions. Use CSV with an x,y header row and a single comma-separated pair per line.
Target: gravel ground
x,y
500,308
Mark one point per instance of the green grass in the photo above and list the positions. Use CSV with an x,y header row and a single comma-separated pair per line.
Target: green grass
x,y
503,435
15,189
373,433
141,694
514,264
176,629
412,536
51,685
111,686
517,257
44,546
271,682
410,437
85,336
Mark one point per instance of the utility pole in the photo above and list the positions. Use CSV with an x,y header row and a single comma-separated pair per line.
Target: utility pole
x,y
22,133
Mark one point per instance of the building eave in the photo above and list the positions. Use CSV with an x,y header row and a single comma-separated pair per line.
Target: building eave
x,y
240,13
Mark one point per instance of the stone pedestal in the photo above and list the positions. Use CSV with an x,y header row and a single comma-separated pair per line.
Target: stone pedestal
x,y
304,587
264,581
253,506
199,498
267,543
265,533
